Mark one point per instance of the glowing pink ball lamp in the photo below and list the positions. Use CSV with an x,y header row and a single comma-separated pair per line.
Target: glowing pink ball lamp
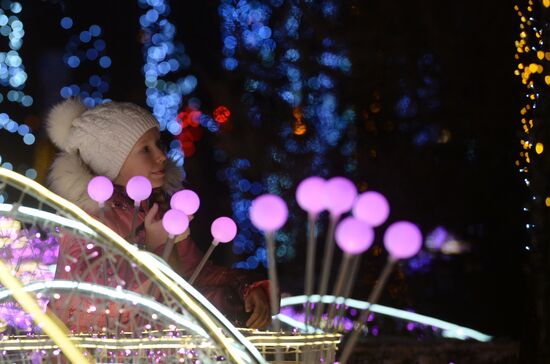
x,y
223,230
354,236
339,195
175,222
100,189
268,213
371,207
139,188
186,201
403,240
310,194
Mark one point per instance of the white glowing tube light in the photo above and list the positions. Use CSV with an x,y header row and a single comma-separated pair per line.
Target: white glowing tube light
x,y
450,330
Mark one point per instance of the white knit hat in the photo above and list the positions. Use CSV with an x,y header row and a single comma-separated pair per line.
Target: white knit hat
x,y
102,136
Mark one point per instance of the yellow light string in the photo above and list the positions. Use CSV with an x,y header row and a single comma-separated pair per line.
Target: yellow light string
x,y
48,322
533,70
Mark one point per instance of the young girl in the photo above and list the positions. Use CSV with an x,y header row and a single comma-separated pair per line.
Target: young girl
x,y
119,141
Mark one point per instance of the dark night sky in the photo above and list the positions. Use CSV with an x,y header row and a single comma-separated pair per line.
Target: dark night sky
x,y
468,185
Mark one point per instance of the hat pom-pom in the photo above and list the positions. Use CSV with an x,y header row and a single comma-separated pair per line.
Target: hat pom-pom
x,y
60,120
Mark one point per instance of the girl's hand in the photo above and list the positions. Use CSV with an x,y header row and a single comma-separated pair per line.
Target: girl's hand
x,y
155,235
257,302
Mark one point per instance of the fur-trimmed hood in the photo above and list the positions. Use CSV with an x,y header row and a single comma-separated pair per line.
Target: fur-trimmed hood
x,y
69,178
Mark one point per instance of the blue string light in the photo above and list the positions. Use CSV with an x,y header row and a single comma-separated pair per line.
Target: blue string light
x,y
268,50
13,75
86,47
164,58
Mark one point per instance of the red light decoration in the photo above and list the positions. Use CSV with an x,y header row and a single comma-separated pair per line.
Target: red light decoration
x,y
221,114
191,130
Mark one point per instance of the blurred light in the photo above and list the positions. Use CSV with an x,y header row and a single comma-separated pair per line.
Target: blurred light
x,y
66,22
85,36
221,114
95,30
31,173
99,44
29,139
230,63
92,54
73,61
105,62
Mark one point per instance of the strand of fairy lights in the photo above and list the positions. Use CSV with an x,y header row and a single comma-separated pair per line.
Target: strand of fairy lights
x,y
13,76
164,57
86,48
533,56
266,40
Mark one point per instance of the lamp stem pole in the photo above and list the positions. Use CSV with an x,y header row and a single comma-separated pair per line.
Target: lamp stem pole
x,y
373,299
310,265
327,262
203,261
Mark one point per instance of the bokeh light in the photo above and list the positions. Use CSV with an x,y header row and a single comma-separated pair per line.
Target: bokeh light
x,y
221,114
13,75
87,48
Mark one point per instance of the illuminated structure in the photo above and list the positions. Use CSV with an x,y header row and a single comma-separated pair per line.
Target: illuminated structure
x,y
174,324
182,313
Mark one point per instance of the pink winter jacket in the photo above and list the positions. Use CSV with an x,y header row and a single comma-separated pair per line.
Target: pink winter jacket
x,y
226,288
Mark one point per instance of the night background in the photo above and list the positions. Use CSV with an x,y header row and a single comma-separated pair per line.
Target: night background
x,y
417,100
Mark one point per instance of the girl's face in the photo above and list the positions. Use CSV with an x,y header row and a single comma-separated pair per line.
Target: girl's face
x,y
145,159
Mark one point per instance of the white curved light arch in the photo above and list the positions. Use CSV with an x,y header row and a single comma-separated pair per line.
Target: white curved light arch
x,y
450,330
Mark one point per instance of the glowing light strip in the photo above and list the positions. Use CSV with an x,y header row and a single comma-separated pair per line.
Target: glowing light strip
x,y
145,261
298,324
161,264
106,343
53,329
450,330
296,341
50,217
125,295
